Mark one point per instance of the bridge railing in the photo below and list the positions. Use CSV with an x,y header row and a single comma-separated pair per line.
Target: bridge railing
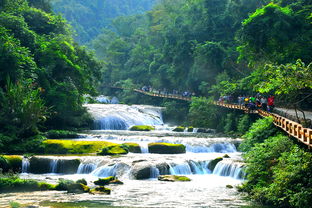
x,y
293,128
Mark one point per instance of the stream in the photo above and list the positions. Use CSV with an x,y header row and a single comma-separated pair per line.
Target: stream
x,y
207,188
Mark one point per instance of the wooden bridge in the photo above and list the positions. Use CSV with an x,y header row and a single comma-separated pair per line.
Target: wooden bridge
x,y
294,129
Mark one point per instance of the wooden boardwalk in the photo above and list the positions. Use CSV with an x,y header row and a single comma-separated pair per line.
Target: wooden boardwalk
x,y
294,129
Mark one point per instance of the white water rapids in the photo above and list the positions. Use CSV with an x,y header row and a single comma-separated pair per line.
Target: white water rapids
x,y
207,187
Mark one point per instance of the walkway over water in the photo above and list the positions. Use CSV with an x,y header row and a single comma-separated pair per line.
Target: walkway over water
x,y
293,128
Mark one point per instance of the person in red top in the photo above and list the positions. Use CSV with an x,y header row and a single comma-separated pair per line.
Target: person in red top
x,y
270,103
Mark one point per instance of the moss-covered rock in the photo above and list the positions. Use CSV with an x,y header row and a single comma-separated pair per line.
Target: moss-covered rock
x,y
15,184
142,128
190,129
226,156
116,182
214,162
77,188
83,181
39,165
179,129
68,166
163,168
166,148
14,162
104,181
229,186
133,147
100,190
114,150
54,146
173,178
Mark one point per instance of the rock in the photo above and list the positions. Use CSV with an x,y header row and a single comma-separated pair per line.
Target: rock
x,y
226,156
213,163
163,168
83,181
68,166
138,161
77,188
113,150
104,181
166,148
133,147
116,182
39,165
100,190
142,128
190,129
229,186
179,129
173,178
141,171
14,162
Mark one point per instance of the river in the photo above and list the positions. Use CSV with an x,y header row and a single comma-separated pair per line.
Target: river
x,y
207,188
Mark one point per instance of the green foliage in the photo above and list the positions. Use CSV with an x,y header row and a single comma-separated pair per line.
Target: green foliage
x,y
14,162
175,112
243,124
142,128
15,184
258,132
278,173
203,114
61,134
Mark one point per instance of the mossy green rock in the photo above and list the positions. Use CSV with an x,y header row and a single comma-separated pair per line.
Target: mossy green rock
x,y
104,181
179,129
190,129
100,190
166,148
77,188
214,162
14,162
133,147
114,150
142,128
40,165
229,186
173,178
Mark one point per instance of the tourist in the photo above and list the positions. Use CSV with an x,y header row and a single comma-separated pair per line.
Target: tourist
x,y
264,103
270,103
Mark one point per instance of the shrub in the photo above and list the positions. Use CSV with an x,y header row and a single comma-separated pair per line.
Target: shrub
x,y
61,134
244,123
258,132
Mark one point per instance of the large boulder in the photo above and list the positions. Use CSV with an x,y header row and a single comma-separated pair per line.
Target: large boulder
x,y
39,165
100,190
68,166
173,178
142,128
163,168
104,181
166,148
14,162
141,171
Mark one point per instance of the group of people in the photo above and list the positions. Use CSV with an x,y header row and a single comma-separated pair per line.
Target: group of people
x,y
168,92
251,102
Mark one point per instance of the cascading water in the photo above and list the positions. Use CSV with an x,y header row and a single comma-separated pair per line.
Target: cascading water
x,y
53,165
25,165
229,169
86,168
121,117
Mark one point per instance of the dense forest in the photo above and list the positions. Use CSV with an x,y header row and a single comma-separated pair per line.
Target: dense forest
x,y
211,48
90,18
43,75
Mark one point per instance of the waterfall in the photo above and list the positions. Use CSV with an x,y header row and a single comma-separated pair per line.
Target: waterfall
x,y
53,165
154,172
86,168
121,117
180,169
25,165
233,170
217,147
144,148
199,167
